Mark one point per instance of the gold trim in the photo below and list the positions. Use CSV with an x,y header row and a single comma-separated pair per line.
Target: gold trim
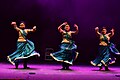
x,y
35,54
10,60
95,64
59,60
92,63
103,63
21,58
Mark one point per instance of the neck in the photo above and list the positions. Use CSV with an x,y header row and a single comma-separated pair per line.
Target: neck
x,y
103,34
22,28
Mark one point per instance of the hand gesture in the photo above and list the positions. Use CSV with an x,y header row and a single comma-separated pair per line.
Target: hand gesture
x,y
76,26
13,23
65,23
34,27
112,30
97,28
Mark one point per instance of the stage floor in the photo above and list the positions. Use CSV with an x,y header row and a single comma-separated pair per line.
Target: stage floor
x,y
53,72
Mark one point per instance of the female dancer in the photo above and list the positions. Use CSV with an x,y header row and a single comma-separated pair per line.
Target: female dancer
x,y
67,54
106,49
25,48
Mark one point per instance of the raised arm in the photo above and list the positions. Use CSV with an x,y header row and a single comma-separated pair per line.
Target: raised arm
x,y
97,30
111,33
77,30
15,26
31,30
60,27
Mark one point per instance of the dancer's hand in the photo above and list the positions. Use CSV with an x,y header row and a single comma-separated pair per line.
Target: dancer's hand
x,y
76,26
112,30
15,26
34,27
65,23
13,23
60,27
97,28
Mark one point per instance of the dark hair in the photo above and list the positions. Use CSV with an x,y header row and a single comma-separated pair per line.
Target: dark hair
x,y
103,28
22,22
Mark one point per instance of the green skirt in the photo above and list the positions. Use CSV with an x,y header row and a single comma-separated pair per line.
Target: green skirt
x,y
106,55
24,50
67,53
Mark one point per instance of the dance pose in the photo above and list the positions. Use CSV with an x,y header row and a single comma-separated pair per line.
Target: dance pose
x,y
106,49
25,47
67,54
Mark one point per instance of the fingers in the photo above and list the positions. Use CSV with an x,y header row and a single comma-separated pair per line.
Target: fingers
x,y
112,30
75,25
65,23
34,27
12,23
96,28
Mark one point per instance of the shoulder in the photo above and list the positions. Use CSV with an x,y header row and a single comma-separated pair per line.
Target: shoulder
x,y
72,31
107,34
26,30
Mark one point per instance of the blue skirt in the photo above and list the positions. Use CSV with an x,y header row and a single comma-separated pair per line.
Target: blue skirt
x,y
24,50
67,53
105,56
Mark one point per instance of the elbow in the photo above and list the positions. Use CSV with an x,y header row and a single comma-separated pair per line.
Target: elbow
x,y
33,30
76,32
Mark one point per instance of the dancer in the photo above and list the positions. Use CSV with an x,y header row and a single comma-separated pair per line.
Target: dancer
x,y
106,49
25,48
67,54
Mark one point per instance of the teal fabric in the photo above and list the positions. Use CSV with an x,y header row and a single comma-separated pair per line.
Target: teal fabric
x,y
24,50
113,48
106,53
103,55
67,53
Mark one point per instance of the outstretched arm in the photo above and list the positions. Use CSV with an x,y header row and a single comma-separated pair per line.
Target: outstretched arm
x,y
111,33
97,30
60,27
77,30
31,30
15,26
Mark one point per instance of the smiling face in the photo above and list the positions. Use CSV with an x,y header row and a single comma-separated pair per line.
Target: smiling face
x,y
104,31
22,25
67,27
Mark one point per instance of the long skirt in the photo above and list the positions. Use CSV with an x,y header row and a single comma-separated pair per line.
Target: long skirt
x,y
67,53
24,50
106,55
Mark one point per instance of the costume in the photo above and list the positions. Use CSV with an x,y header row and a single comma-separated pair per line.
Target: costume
x,y
67,54
24,50
106,53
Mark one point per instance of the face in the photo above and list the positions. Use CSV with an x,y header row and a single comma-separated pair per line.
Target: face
x,y
22,25
67,28
104,31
